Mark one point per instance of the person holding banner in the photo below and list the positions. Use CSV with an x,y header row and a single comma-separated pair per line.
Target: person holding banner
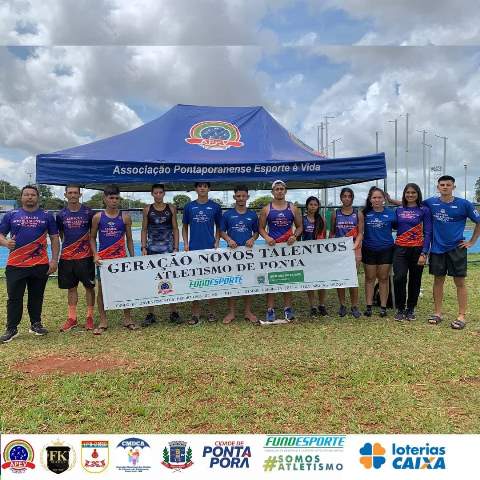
x,y
76,260
314,228
449,247
159,235
201,230
239,227
412,244
348,222
113,227
28,265
276,223
377,248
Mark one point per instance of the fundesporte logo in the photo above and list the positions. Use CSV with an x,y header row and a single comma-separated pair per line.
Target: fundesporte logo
x,y
372,456
215,135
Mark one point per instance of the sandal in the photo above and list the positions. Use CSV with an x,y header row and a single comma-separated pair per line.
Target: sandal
x,y
131,327
99,330
195,320
458,324
435,319
211,317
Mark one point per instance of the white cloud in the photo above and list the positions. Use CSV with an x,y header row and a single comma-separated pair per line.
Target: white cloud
x,y
413,22
136,22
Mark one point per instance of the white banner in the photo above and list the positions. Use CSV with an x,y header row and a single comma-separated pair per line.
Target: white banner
x,y
202,274
232,456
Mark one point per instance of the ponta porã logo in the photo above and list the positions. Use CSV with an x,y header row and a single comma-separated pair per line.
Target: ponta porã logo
x,y
215,135
18,456
228,454
425,457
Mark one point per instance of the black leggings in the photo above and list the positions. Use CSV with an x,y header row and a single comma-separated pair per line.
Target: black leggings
x,y
18,278
405,263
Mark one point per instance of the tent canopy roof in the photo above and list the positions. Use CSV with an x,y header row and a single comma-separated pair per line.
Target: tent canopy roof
x,y
221,145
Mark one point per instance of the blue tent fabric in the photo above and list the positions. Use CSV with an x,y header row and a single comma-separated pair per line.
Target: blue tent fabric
x,y
221,145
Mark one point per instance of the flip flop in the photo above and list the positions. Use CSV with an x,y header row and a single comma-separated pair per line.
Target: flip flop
x,y
458,324
99,330
250,320
131,326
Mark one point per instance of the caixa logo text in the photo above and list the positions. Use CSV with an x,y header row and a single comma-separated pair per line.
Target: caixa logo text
x,y
425,457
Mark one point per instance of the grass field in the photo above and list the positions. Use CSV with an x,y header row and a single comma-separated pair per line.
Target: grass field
x,y
315,375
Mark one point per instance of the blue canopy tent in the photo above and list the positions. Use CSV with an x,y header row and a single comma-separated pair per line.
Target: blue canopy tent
x,y
221,145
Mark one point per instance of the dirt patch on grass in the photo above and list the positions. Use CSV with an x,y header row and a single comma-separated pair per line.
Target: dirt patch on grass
x,y
68,365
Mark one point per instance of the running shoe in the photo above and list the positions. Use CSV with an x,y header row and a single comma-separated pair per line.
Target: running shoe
x,y
410,315
9,335
289,314
175,318
313,311
322,311
400,315
69,324
150,319
342,311
383,312
356,312
271,317
89,323
38,329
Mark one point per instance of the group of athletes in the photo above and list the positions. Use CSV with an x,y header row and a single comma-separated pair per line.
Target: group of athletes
x,y
426,230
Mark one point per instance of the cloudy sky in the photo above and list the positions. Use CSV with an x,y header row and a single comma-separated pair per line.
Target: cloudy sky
x,y
72,71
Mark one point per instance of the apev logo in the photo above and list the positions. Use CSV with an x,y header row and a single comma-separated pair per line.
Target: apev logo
x,y
412,457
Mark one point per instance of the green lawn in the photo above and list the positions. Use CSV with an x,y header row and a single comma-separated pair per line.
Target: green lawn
x,y
330,375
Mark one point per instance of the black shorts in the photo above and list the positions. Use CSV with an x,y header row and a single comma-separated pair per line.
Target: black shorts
x,y
377,257
452,263
70,272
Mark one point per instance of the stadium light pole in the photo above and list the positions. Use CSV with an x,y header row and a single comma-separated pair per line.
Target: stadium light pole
x,y
406,144
334,141
465,166
444,170
376,151
395,122
424,133
429,181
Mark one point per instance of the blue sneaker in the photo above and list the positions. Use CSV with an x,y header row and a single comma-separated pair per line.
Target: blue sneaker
x,y
289,314
271,317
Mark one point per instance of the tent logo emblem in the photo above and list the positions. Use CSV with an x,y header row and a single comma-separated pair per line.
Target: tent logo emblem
x,y
214,135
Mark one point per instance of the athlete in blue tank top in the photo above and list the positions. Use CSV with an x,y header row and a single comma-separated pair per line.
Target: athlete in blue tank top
x,y
159,235
113,228
276,225
348,222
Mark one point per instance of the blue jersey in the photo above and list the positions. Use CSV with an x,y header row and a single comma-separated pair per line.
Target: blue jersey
x,y
449,222
378,229
202,218
240,227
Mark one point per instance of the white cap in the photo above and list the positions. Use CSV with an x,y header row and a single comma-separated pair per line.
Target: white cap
x,y
278,182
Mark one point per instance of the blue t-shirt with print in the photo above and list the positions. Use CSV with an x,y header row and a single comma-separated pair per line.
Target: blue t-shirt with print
x,y
201,219
449,222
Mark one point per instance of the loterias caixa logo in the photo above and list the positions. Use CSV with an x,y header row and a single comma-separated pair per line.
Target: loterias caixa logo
x,y
215,135
403,457
18,456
